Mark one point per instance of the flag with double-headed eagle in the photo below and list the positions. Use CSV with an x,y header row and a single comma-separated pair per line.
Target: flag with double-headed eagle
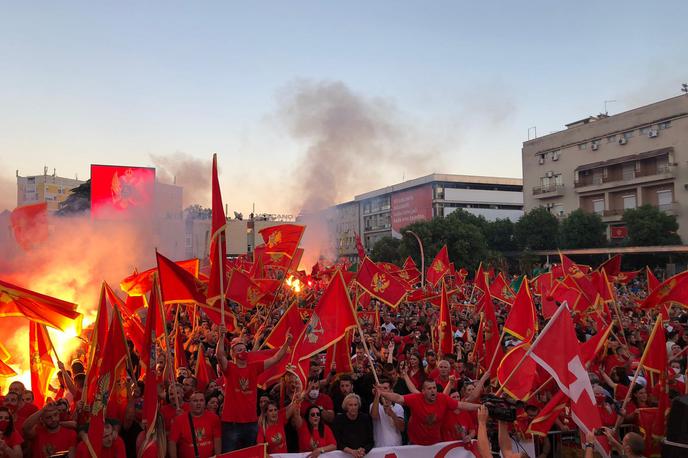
x,y
439,267
50,311
283,238
42,366
673,289
148,360
332,317
445,328
501,290
380,283
572,269
139,284
242,290
522,320
218,240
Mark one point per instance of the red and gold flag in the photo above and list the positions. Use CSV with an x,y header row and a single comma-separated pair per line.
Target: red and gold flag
x,y
331,318
149,358
178,285
6,371
522,320
572,269
654,357
139,284
380,284
611,266
98,341
480,280
291,321
133,328
439,267
179,352
673,289
541,425
283,238
242,290
652,282
42,366
204,371
218,240
56,313
30,224
518,385
493,348
543,283
445,328
359,247
501,290
338,356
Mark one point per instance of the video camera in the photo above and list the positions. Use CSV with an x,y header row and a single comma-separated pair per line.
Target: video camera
x,y
501,409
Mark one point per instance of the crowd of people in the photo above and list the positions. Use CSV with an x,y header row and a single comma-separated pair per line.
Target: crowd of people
x,y
399,390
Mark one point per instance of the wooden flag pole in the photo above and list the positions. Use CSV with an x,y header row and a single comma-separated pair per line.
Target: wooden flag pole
x,y
640,364
499,345
222,273
168,358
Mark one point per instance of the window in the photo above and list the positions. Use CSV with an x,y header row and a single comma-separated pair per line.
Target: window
x,y
664,198
582,146
645,130
611,139
628,134
664,125
558,180
598,206
629,202
628,171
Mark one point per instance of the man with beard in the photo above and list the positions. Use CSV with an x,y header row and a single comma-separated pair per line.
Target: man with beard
x,y
206,429
46,435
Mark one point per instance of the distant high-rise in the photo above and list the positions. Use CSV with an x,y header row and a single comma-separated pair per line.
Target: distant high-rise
x,y
44,188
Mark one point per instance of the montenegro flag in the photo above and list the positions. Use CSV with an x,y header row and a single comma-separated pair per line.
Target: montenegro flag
x,y
380,283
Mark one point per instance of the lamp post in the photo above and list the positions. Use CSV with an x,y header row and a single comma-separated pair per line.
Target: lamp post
x,y
422,258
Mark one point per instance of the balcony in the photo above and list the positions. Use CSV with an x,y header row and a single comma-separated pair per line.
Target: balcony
x,y
599,183
545,192
615,214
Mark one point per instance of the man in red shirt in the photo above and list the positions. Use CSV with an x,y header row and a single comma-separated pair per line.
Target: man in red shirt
x,y
113,445
46,435
428,409
239,413
206,429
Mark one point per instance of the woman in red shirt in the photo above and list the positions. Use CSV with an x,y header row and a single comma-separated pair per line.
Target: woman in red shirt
x,y
10,440
314,435
271,425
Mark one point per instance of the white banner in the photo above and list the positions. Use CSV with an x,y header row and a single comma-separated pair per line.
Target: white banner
x,y
441,450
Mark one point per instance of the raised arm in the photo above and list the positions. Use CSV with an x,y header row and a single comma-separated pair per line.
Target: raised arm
x,y
274,359
391,395
220,348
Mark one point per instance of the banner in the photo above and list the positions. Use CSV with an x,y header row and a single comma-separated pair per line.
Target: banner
x,y
443,449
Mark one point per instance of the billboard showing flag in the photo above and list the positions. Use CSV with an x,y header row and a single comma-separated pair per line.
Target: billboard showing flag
x,y
121,191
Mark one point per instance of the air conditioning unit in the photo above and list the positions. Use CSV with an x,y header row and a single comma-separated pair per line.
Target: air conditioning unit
x,y
595,146
623,141
653,133
555,156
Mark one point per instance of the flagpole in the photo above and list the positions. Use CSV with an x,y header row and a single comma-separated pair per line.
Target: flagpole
x,y
94,342
363,340
499,345
422,258
562,307
222,272
168,357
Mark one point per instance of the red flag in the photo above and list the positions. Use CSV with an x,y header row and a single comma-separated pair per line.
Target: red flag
x,y
625,277
148,359
611,266
445,328
673,289
218,242
573,269
493,348
543,283
480,280
380,284
30,224
652,282
359,247
204,371
42,366
98,342
133,328
56,313
111,388
520,385
338,356
522,320
179,286
139,284
331,318
557,350
439,267
541,425
654,357
284,238
243,290
290,322
179,353
5,370
501,290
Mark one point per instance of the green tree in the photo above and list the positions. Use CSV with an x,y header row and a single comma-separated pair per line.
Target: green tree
x,y
78,202
582,230
648,225
386,250
500,235
537,230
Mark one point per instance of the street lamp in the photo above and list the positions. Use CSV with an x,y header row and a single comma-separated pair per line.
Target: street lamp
x,y
422,258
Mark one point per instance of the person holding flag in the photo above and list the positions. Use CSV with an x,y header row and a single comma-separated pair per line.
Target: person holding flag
x,y
239,416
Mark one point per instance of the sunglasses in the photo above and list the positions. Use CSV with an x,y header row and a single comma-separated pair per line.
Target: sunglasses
x,y
315,414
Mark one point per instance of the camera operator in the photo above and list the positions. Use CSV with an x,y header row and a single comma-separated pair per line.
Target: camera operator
x,y
484,449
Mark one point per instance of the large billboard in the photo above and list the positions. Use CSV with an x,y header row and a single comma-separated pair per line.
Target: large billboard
x,y
121,191
411,206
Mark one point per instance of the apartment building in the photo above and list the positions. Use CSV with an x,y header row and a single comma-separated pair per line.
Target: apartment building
x,y
48,188
607,164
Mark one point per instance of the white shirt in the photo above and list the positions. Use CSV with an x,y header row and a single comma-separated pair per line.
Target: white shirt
x,y
384,431
388,327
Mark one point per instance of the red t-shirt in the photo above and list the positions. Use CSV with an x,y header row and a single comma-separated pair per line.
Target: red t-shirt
x,y
23,413
207,427
310,441
13,439
453,421
169,413
116,451
274,435
426,419
47,443
240,392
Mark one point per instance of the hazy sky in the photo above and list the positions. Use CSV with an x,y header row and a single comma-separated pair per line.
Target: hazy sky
x,y
119,83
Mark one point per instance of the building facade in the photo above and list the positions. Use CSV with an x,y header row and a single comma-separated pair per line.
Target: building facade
x,y
386,211
607,164
44,188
